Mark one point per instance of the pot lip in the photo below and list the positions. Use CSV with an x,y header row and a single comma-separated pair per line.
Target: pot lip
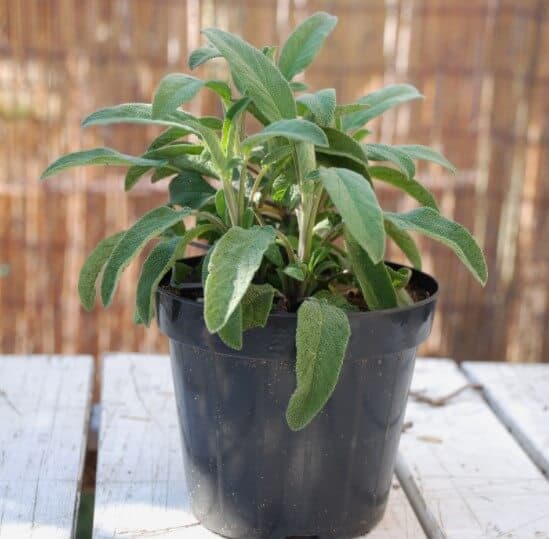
x,y
364,315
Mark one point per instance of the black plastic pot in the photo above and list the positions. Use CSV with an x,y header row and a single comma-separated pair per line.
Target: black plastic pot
x,y
248,475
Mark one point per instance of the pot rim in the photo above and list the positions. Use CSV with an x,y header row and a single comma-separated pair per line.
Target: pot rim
x,y
416,275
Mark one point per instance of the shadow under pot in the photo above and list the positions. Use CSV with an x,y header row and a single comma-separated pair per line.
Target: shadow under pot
x,y
248,474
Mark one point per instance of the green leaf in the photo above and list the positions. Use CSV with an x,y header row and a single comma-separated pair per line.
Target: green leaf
x,y
298,86
152,224
237,107
168,136
383,152
97,156
202,55
297,130
304,43
321,104
321,341
230,126
133,175
296,271
338,300
379,102
92,268
192,163
161,173
416,151
341,145
256,305
160,260
136,113
165,152
350,108
400,277
234,261
174,150
231,332
277,155
432,224
257,75
412,187
358,206
211,122
190,189
405,242
220,204
359,134
221,88
174,90
272,254
373,278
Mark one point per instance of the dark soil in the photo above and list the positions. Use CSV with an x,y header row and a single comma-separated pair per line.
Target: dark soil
x,y
354,297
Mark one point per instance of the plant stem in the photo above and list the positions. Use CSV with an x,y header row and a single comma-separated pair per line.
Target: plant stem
x,y
242,192
212,219
230,199
287,245
257,182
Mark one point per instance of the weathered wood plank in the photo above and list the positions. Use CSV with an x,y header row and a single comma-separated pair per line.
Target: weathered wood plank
x,y
44,411
140,485
518,393
468,475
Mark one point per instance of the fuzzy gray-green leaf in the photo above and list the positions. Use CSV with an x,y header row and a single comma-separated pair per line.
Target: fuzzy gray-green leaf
x,y
97,156
190,189
405,242
158,263
257,76
417,151
231,332
412,187
136,113
235,259
321,341
345,151
202,55
373,278
321,105
304,42
358,206
379,102
152,224
432,224
383,152
134,174
174,90
256,305
297,130
92,268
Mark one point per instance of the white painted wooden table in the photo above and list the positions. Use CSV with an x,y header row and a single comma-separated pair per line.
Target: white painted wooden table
x,y
469,468
44,411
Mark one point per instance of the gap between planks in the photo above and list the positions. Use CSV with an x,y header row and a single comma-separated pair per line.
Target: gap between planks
x,y
518,393
465,475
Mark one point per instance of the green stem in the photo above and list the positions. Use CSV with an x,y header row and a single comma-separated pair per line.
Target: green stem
x,y
242,192
287,246
230,199
256,184
206,216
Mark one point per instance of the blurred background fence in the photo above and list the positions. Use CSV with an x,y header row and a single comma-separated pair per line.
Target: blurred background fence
x,y
483,66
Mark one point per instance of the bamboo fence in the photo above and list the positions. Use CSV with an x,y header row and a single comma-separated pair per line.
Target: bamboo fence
x,y
480,64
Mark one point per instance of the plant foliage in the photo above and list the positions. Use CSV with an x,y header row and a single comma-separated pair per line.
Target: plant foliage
x,y
290,212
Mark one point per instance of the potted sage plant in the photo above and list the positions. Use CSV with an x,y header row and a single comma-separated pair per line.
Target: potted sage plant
x,y
292,339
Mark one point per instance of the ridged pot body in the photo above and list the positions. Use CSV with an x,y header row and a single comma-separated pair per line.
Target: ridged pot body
x,y
248,474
